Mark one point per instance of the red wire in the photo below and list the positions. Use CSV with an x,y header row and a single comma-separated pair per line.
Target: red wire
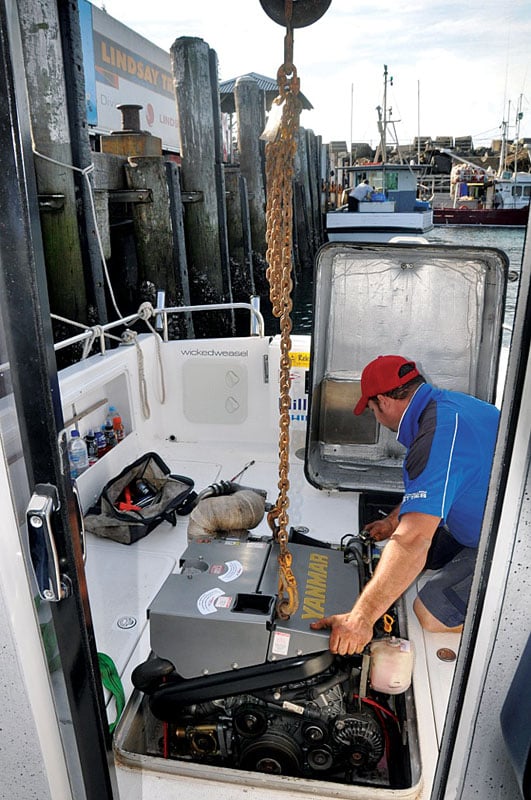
x,y
165,740
385,732
377,705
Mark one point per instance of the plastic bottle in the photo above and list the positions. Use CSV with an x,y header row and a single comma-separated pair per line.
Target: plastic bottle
x,y
77,455
101,443
391,665
117,424
110,436
92,447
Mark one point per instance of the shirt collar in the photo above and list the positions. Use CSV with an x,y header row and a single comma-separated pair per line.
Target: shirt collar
x,y
408,425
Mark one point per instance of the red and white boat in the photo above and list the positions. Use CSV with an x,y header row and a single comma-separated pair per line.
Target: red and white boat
x,y
480,197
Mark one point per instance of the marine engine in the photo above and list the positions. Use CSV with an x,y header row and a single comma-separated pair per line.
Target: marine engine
x,y
314,728
230,684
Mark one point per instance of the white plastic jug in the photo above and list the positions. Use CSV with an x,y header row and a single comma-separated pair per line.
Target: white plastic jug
x,y
391,665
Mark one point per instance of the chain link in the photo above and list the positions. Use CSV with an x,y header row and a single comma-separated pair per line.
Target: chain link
x,y
280,154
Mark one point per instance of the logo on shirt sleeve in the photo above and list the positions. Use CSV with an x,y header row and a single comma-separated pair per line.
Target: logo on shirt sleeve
x,y
420,495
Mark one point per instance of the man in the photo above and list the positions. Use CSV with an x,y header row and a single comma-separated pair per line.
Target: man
x,y
449,439
360,192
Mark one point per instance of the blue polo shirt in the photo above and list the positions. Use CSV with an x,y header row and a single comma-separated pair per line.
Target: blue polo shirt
x,y
450,440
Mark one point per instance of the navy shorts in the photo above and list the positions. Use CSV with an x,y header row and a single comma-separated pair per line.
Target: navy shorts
x,y
446,593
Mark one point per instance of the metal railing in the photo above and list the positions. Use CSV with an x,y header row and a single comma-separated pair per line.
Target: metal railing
x,y
101,333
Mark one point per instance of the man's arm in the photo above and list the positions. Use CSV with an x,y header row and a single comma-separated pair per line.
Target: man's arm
x,y
402,559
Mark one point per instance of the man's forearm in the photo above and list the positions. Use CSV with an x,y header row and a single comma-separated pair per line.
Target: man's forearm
x,y
397,569
402,560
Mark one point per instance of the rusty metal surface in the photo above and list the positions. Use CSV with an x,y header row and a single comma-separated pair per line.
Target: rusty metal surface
x,y
280,155
305,12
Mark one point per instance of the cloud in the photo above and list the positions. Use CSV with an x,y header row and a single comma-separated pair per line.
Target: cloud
x,y
468,59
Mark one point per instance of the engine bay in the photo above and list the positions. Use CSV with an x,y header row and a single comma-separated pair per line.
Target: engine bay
x,y
228,684
319,728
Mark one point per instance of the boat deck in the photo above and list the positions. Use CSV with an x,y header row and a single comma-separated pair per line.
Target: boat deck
x,y
136,573
123,580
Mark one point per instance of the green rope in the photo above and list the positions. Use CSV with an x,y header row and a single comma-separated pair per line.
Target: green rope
x,y
111,681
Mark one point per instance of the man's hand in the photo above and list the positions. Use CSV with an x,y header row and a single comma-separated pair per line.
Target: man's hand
x,y
349,633
384,528
381,528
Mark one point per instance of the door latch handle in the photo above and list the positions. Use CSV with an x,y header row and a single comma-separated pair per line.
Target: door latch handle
x,y
51,584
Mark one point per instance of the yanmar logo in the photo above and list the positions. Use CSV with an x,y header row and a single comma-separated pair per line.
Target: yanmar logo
x,y
315,595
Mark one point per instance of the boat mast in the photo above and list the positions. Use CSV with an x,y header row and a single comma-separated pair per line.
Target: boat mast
x,y
503,149
383,125
418,122
519,115
382,121
351,120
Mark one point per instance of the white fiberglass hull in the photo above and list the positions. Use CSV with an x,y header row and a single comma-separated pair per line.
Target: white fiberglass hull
x,y
345,226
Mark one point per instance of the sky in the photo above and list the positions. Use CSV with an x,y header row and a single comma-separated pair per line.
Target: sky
x,y
458,67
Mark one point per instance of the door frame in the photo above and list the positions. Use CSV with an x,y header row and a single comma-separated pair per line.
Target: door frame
x,y
36,392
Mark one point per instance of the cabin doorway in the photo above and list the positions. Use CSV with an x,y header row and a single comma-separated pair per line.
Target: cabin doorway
x,y
29,430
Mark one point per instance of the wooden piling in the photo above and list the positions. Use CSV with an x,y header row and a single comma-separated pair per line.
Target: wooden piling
x,y
251,115
220,181
41,43
152,223
239,229
108,176
314,181
74,72
191,71
308,215
302,204
179,243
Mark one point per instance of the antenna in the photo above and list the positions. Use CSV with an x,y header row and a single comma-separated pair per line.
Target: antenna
x,y
383,128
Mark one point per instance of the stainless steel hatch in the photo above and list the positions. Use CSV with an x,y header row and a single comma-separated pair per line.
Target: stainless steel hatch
x,y
441,306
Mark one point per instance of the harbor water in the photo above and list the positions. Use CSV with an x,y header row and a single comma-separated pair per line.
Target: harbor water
x,y
510,240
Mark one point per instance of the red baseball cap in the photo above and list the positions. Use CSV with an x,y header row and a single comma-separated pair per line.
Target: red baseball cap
x,y
382,375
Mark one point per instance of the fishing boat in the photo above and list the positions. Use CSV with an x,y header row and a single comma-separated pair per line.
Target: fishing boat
x,y
392,210
166,667
480,197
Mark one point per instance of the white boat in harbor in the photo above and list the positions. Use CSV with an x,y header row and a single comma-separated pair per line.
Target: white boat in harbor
x,y
394,209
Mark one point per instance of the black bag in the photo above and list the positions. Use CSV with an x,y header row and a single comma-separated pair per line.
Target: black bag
x,y
143,495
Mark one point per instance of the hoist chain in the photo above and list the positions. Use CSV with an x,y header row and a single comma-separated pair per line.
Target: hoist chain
x,y
280,154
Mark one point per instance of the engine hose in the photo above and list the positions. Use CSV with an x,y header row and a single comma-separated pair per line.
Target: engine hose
x,y
315,691
223,488
215,490
287,707
351,553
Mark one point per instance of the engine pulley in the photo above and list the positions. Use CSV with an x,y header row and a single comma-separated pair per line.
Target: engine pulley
x,y
361,736
275,753
250,720
305,12
321,758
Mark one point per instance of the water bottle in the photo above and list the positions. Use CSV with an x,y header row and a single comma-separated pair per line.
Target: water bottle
x,y
77,455
117,423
